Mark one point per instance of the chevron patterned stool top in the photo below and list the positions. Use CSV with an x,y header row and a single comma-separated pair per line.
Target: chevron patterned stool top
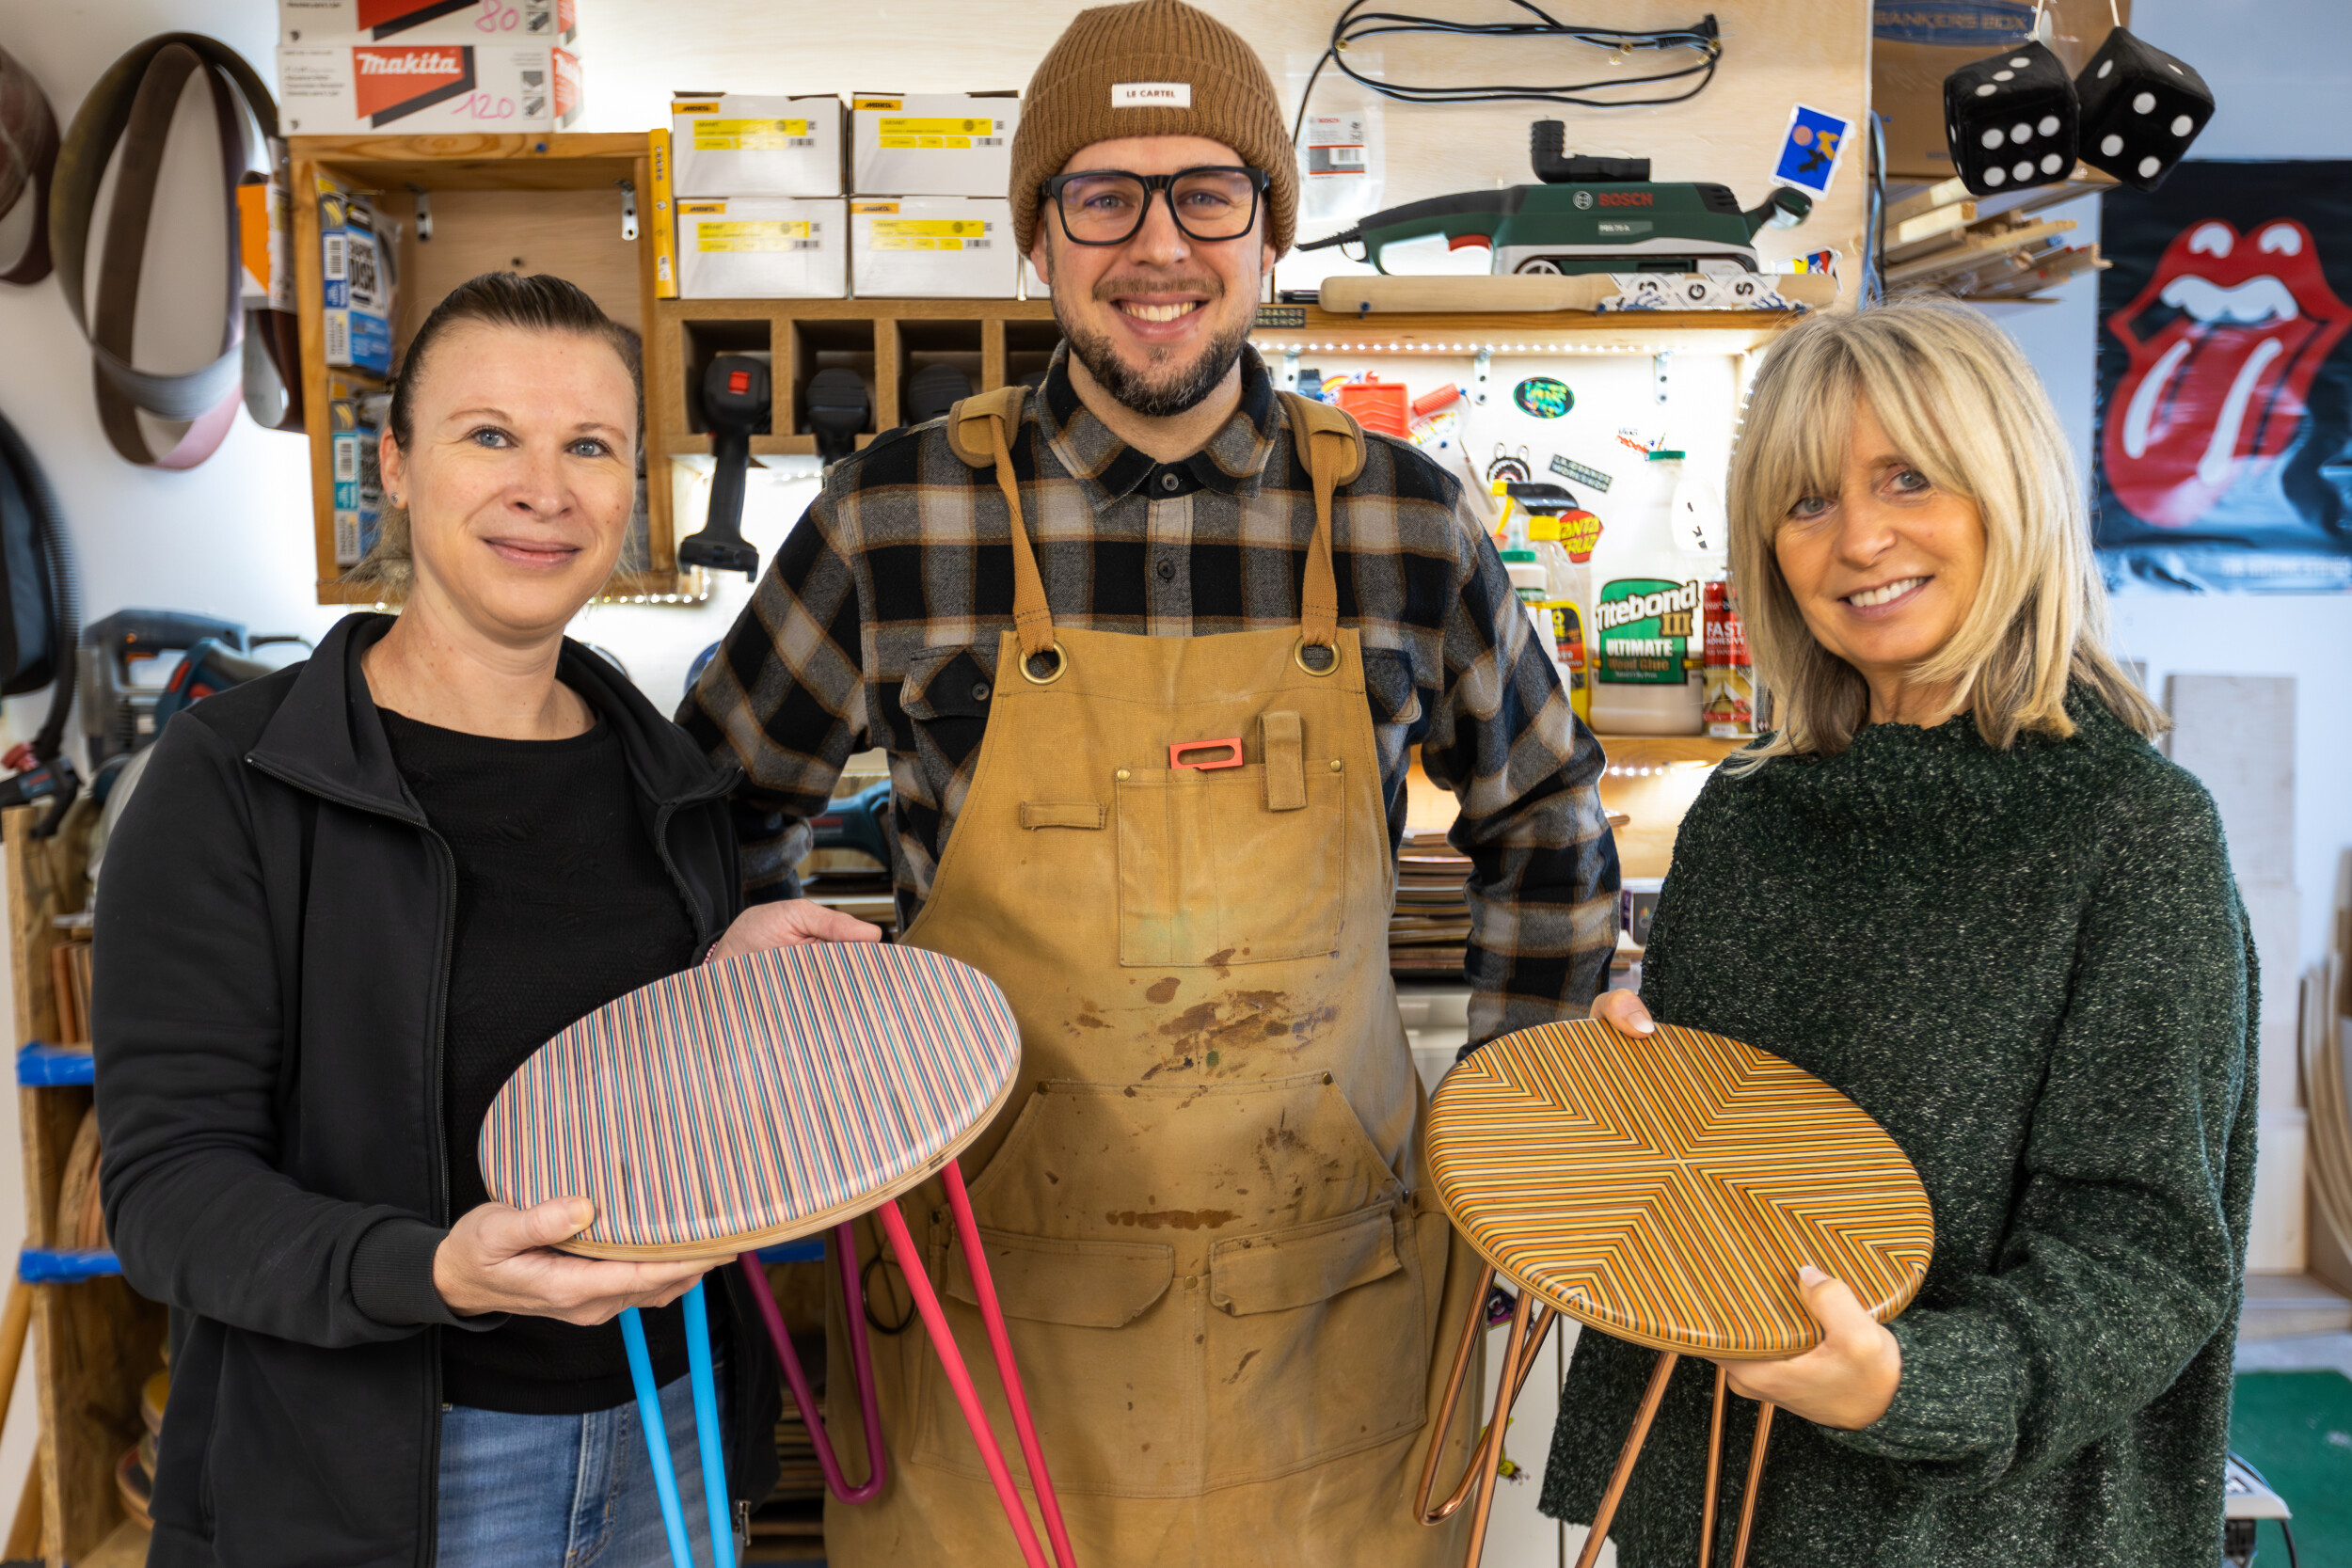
x,y
750,1102
1665,1190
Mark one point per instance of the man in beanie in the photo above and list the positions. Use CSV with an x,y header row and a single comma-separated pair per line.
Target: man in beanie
x,y
1148,720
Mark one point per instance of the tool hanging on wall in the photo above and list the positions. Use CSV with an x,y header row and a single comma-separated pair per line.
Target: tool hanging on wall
x,y
1587,215
133,106
735,399
37,569
838,409
28,159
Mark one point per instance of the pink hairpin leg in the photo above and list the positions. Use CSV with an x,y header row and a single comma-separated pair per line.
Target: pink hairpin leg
x,y
869,1407
1000,1343
959,1379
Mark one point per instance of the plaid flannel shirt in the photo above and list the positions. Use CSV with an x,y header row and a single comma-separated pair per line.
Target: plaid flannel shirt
x,y
877,626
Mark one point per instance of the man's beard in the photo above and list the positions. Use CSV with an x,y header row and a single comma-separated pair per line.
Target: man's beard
x,y
1155,399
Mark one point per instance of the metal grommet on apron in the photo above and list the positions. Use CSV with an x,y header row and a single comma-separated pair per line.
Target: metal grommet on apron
x,y
1298,654
1061,665
1176,866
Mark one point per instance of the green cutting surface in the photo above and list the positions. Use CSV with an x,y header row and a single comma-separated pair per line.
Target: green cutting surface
x,y
2296,1428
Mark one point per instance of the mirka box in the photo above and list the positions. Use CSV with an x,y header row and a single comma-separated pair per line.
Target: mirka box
x,y
726,144
349,88
931,144
762,248
355,412
1915,43
427,21
931,246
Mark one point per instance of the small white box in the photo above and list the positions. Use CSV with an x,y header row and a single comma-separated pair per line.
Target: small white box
x,y
350,87
931,144
763,247
427,21
931,246
731,144
355,286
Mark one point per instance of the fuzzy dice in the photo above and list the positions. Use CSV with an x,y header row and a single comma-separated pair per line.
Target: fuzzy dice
x,y
2141,108
2012,120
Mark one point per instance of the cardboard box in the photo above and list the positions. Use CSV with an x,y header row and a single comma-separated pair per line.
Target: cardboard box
x,y
724,144
427,21
763,247
351,87
355,412
1915,43
931,144
932,248
357,285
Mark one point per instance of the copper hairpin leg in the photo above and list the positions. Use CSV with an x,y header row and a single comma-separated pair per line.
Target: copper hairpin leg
x,y
1607,1513
1530,1325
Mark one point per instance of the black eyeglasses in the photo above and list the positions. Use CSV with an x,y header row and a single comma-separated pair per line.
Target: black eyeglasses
x,y
1105,206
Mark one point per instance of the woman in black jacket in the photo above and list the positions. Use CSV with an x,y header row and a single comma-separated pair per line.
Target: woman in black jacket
x,y
347,901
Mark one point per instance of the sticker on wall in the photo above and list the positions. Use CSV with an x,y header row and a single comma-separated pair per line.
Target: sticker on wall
x,y
1810,152
1568,468
1819,260
1544,397
1507,466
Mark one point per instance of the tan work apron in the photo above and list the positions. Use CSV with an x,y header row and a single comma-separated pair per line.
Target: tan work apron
x,y
1204,1207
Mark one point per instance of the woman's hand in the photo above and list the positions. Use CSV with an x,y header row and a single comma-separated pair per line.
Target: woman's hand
x,y
1848,1380
1622,1010
501,1258
788,925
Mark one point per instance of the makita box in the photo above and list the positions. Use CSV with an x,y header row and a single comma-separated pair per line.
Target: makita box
x,y
427,21
351,88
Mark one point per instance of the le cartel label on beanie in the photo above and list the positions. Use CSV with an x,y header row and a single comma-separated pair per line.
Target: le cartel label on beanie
x,y
1140,95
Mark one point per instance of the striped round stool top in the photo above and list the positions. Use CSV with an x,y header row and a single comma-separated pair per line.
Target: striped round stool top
x,y
746,1102
1665,1190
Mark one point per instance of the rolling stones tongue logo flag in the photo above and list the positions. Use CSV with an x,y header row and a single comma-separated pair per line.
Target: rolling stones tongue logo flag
x,y
2225,381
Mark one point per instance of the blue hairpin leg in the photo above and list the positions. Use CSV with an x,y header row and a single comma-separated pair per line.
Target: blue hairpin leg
x,y
708,1439
656,1437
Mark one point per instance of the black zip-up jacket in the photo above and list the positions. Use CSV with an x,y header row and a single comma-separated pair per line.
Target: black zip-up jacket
x,y
274,917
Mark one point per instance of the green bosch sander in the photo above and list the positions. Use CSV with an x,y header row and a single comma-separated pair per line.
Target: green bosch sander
x,y
1590,214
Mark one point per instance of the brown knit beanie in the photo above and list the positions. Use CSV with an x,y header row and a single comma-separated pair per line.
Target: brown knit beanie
x,y
1154,67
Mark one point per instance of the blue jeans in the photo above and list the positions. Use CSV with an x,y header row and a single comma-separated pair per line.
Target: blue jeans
x,y
569,1491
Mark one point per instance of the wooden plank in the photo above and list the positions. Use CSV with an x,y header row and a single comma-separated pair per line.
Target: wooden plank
x,y
574,234
554,162
661,528
1943,220
1942,194
310,318
992,355
886,351
1976,249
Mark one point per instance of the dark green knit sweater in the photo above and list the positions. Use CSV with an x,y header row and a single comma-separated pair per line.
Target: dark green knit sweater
x,y
2032,967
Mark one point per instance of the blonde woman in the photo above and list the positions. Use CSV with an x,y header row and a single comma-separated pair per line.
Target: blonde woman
x,y
1959,884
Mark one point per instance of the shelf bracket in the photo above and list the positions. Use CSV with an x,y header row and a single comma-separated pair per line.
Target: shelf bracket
x,y
1660,363
424,214
629,209
1482,374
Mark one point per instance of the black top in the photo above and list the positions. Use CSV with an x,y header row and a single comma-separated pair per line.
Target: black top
x,y
562,906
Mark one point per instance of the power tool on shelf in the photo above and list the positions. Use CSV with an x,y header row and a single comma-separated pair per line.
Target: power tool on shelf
x,y
735,399
1588,215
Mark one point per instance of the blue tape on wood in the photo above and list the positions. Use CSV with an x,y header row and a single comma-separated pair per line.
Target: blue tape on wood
x,y
58,1266
40,1065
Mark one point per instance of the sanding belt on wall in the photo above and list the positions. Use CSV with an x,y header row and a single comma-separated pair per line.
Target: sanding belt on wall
x,y
28,155
132,106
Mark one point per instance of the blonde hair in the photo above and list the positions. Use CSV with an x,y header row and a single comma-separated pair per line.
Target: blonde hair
x,y
1961,404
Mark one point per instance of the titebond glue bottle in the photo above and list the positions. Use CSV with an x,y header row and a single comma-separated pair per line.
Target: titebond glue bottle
x,y
1647,636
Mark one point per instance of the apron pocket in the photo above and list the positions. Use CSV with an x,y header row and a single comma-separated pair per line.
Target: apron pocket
x,y
1317,1345
1106,1350
1208,874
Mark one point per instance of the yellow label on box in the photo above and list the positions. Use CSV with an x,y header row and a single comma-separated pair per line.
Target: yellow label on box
x,y
709,108
763,235
751,135
929,234
873,206
875,103
954,134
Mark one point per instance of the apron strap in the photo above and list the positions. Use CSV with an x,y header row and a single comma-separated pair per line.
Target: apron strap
x,y
1332,448
978,432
